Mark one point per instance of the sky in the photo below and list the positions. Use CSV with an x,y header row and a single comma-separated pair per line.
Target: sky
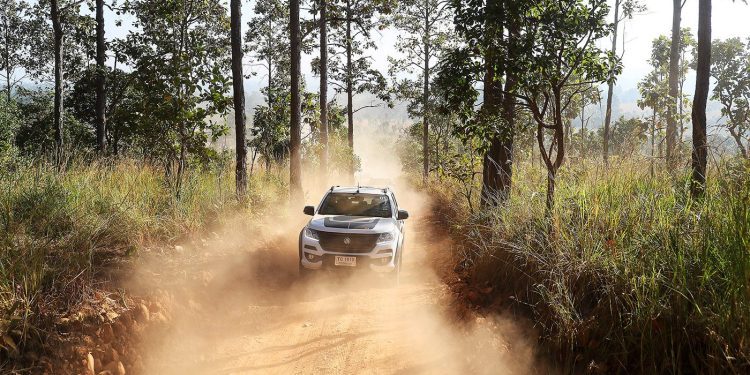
x,y
730,19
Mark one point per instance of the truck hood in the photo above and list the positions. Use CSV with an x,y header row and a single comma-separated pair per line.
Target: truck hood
x,y
352,224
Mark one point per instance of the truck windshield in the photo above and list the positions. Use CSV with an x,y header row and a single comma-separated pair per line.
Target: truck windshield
x,y
356,204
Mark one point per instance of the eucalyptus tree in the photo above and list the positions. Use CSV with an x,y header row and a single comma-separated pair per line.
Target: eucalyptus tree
x,y
674,71
66,19
295,139
350,67
730,68
425,33
267,43
101,84
629,8
488,35
180,58
558,43
700,99
238,86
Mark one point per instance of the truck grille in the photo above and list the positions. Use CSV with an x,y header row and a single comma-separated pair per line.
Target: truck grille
x,y
337,242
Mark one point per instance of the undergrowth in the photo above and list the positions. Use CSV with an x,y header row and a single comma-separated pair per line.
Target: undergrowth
x,y
628,273
59,229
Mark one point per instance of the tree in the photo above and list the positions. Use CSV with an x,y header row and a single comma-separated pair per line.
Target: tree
x,y
558,43
702,75
629,7
425,34
267,37
295,160
101,88
687,57
323,96
674,71
180,60
479,60
654,90
238,85
14,42
731,70
352,28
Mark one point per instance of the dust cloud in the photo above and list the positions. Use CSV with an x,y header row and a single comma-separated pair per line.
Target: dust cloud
x,y
233,302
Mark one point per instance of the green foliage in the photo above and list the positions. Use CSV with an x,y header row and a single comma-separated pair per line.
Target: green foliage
x,y
36,135
181,70
731,70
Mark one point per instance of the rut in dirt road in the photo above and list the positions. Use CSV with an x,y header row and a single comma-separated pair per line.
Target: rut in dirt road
x,y
242,309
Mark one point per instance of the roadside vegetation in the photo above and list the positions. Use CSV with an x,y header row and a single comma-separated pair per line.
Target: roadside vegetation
x,y
61,231
627,274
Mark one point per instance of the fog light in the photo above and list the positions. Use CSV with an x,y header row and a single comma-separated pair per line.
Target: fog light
x,y
310,257
384,261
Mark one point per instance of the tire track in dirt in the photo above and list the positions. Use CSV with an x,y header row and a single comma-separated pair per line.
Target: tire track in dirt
x,y
236,306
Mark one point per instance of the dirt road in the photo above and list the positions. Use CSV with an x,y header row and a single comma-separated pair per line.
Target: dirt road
x,y
237,306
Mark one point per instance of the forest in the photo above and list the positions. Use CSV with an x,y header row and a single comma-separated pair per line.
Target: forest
x,y
622,238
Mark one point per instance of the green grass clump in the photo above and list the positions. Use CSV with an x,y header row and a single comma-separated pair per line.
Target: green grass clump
x,y
628,273
59,229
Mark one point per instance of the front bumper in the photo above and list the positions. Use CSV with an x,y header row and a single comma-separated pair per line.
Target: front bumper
x,y
381,259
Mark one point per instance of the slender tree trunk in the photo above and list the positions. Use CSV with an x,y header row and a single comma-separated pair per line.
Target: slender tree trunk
x,y
58,51
653,142
703,70
238,85
323,91
101,88
6,55
610,88
349,86
426,96
295,161
674,72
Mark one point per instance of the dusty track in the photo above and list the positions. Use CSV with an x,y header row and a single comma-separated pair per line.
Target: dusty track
x,y
237,306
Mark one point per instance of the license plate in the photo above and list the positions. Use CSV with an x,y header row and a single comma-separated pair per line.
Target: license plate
x,y
345,261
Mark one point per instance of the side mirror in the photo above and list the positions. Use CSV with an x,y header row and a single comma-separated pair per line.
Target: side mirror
x,y
309,210
402,215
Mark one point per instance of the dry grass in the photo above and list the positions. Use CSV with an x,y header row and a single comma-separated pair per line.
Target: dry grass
x,y
628,274
60,230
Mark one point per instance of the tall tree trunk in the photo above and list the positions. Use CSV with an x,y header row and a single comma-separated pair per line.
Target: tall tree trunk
x,y
703,70
497,166
58,48
610,88
101,88
238,85
323,91
426,96
674,72
295,161
349,86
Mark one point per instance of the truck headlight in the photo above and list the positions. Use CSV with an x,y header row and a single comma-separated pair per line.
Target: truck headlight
x,y
386,237
311,234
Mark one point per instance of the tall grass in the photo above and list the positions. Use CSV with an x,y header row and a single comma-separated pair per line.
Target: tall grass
x,y
628,274
59,229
